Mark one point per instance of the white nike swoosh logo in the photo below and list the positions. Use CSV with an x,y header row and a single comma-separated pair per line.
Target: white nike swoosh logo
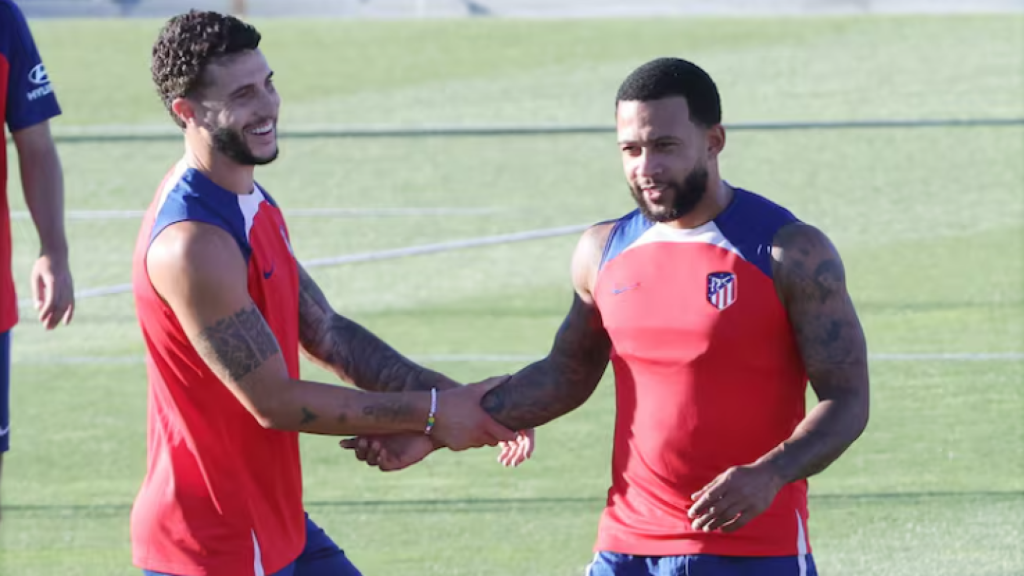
x,y
4,431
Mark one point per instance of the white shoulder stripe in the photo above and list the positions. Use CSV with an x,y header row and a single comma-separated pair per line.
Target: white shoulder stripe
x,y
705,234
250,205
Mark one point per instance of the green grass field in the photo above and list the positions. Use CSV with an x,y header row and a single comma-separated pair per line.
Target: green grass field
x,y
930,222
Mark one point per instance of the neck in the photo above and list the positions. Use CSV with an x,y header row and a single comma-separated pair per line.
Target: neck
x,y
717,196
224,172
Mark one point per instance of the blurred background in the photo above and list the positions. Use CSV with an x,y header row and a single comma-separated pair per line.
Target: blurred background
x,y
514,8
438,161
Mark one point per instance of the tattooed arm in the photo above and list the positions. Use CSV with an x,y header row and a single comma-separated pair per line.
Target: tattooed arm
x,y
354,353
199,271
811,281
563,380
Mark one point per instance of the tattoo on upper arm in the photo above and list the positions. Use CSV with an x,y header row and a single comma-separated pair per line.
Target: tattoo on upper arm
x,y
811,281
812,284
829,279
561,382
239,344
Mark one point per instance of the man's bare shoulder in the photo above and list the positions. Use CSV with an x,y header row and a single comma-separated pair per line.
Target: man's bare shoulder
x,y
196,254
802,236
587,258
595,238
801,247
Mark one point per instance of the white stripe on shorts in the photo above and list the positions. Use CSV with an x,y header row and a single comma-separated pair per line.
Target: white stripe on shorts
x,y
801,545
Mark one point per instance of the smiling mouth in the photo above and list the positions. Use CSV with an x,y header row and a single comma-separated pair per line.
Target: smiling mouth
x,y
653,193
262,129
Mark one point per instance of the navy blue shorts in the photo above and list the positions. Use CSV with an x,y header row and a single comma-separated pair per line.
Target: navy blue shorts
x,y
320,557
614,564
5,391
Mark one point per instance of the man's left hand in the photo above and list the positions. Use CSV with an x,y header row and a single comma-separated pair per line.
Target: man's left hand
x,y
515,452
53,292
734,498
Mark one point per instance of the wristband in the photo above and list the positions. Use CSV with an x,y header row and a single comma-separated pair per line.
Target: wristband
x,y
433,411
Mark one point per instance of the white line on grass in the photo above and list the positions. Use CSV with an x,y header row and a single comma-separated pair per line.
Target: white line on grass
x,y
160,132
376,255
439,247
949,356
292,213
447,246
526,358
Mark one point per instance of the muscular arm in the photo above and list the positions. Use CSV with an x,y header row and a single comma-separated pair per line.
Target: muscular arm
x,y
811,281
559,383
199,271
564,379
354,353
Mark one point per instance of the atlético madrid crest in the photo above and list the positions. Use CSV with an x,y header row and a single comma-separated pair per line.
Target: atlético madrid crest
x,y
721,289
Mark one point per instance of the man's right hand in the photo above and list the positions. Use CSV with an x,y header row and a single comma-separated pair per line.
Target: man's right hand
x,y
391,452
461,422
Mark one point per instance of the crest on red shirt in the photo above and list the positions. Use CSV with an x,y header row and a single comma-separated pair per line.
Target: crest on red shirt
x,y
721,289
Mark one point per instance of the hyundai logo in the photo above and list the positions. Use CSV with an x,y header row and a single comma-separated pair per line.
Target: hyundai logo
x,y
38,75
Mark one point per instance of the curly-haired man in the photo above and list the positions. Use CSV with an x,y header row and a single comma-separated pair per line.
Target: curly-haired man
x,y
225,308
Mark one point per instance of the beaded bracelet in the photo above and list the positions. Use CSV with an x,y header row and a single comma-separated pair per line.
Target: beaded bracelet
x,y
433,411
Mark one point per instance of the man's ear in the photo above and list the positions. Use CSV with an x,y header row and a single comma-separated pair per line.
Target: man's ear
x,y
184,110
716,141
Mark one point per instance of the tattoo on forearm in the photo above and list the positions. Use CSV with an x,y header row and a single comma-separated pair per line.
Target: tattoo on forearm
x,y
388,411
561,382
240,343
308,416
352,351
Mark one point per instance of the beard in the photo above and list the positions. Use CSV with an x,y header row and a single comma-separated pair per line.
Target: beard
x,y
231,143
685,196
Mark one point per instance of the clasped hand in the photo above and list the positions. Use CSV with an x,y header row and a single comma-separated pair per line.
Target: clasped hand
x,y
461,424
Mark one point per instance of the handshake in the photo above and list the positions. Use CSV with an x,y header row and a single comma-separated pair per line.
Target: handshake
x,y
457,422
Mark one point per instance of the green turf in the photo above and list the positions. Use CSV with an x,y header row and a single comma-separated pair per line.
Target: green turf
x,y
929,222
567,71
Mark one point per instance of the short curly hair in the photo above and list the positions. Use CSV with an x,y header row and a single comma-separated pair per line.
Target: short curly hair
x,y
187,44
667,77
